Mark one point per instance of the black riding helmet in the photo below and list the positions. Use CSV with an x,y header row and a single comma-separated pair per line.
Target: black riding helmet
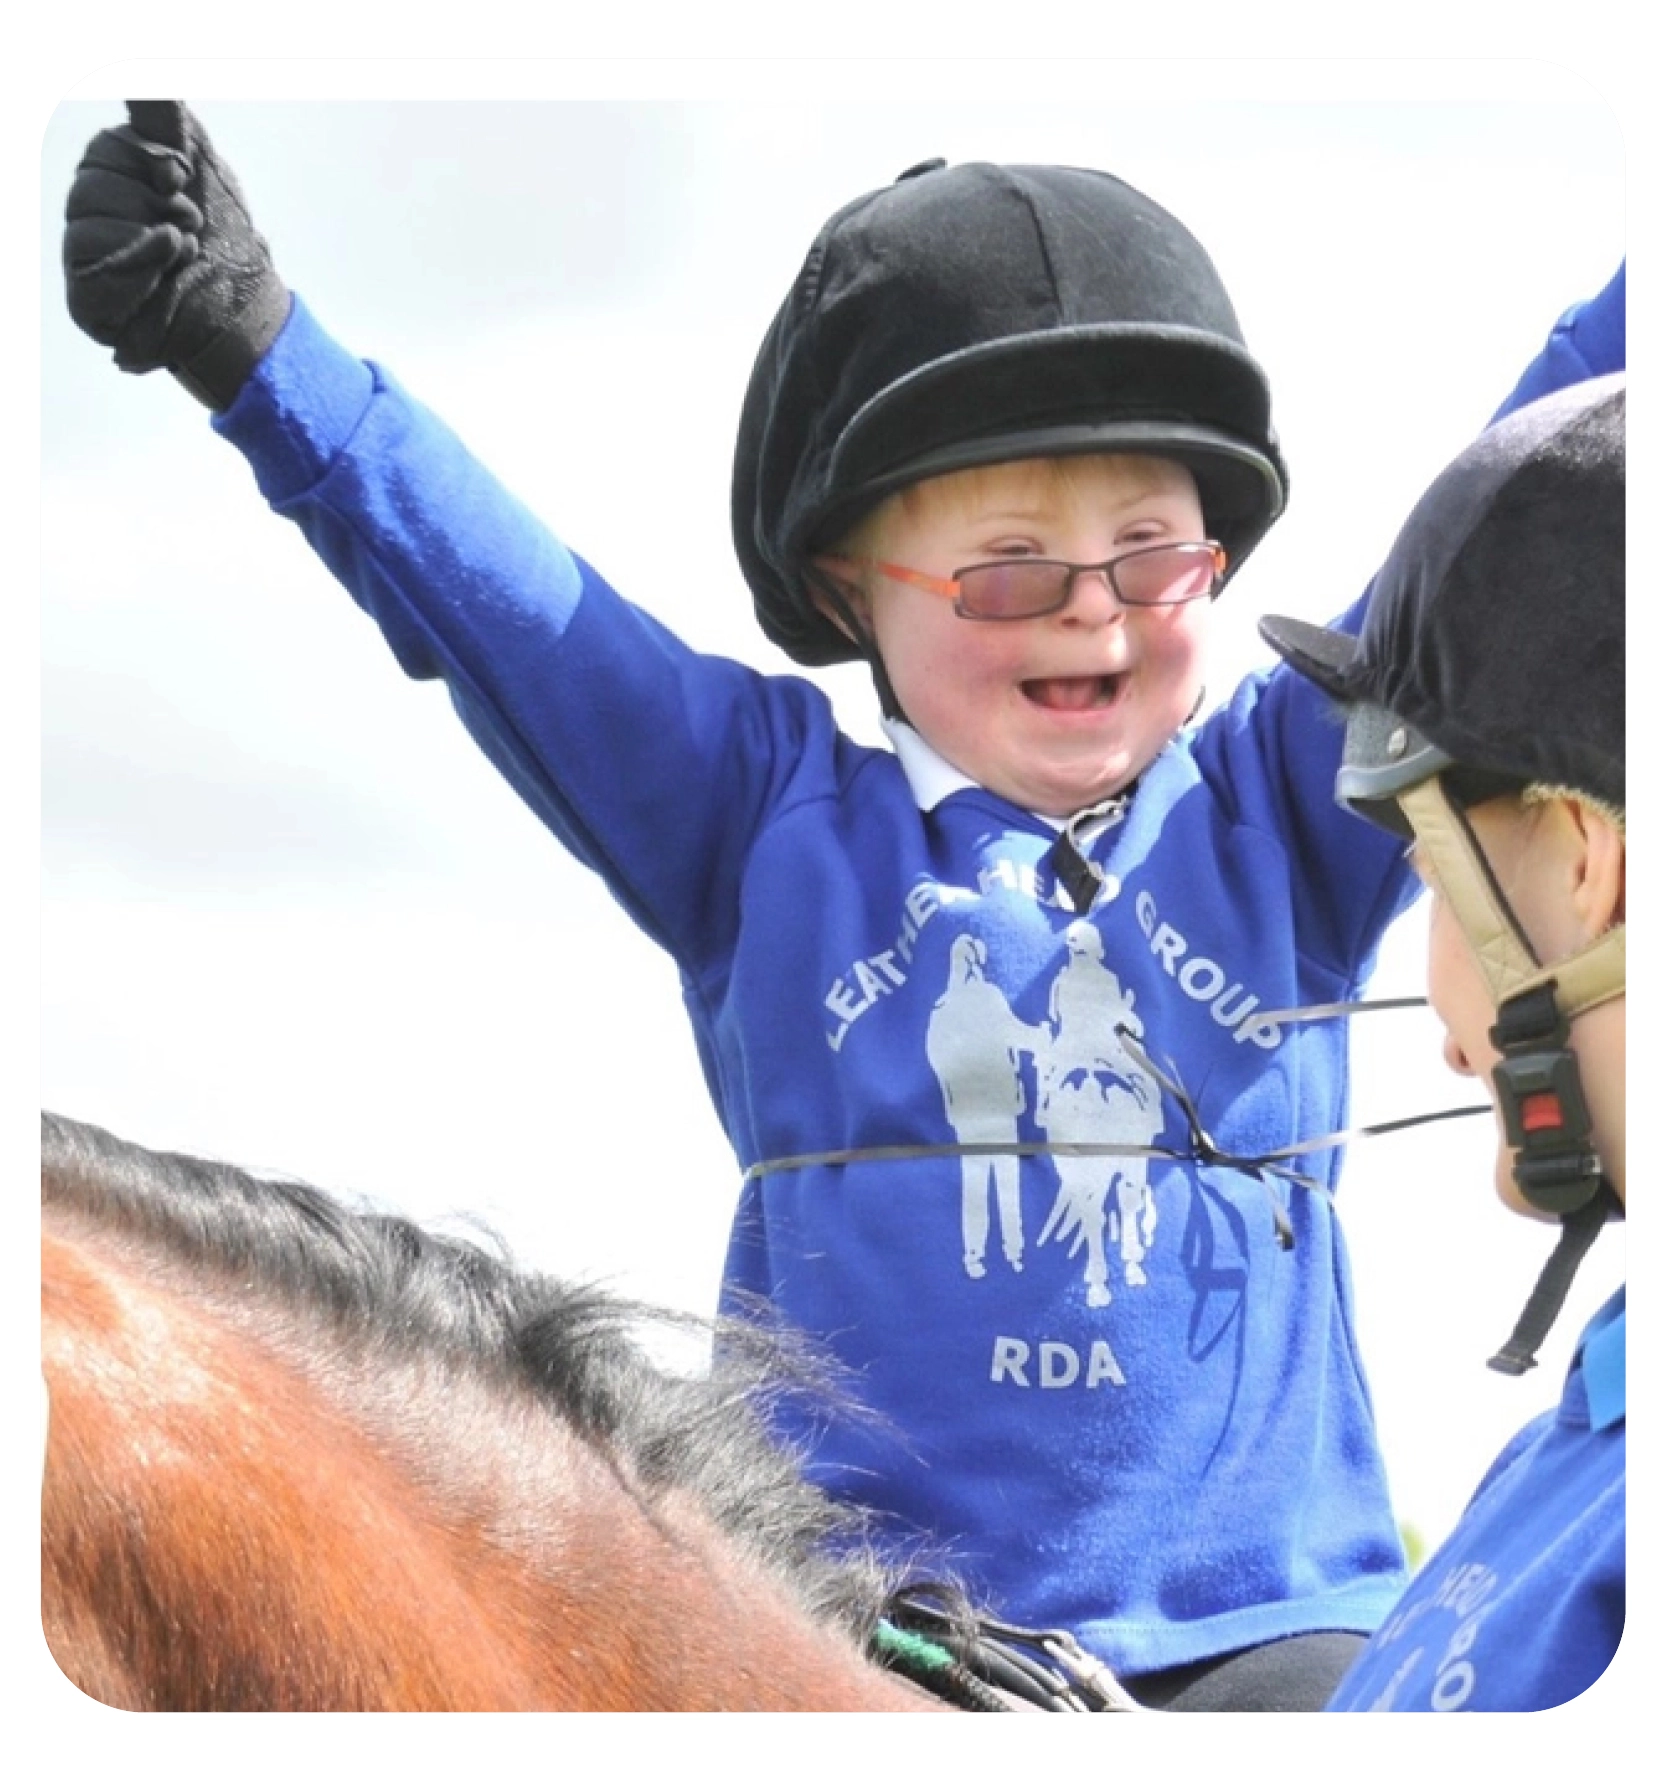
x,y
1494,645
1493,658
975,314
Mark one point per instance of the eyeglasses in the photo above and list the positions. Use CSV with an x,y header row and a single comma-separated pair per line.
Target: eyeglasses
x,y
1014,590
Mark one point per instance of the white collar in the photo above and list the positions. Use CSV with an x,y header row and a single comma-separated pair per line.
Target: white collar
x,y
931,779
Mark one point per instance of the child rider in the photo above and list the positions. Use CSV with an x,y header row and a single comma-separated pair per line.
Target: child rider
x,y
984,1015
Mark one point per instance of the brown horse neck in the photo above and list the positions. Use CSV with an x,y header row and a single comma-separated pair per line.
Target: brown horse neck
x,y
206,1498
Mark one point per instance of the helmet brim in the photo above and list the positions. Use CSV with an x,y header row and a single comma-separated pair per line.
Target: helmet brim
x,y
1170,391
1383,753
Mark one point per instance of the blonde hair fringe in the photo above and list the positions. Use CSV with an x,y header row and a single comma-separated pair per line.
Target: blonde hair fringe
x,y
1539,793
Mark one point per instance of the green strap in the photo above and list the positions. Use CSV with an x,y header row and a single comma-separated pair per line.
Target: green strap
x,y
909,1649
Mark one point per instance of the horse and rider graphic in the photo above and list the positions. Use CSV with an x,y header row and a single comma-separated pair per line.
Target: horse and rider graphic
x,y
1090,1089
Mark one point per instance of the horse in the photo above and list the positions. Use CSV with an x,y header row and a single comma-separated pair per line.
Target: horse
x,y
307,1455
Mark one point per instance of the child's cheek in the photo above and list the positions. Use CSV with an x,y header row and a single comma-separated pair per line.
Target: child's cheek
x,y
1176,648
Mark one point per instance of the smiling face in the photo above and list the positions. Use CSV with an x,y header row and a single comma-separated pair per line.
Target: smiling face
x,y
1057,711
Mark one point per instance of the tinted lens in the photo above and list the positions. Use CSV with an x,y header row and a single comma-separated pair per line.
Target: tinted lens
x,y
1011,589
1177,574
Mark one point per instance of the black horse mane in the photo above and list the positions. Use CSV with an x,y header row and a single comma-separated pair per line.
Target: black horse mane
x,y
392,1286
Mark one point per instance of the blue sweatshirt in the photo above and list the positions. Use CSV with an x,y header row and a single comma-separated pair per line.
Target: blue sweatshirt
x,y
1522,1607
958,1098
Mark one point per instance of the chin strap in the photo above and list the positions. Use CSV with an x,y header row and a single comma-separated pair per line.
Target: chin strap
x,y
1448,845
1537,1080
856,630
1580,1231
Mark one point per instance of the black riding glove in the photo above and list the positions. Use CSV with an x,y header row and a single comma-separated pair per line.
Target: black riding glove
x,y
161,260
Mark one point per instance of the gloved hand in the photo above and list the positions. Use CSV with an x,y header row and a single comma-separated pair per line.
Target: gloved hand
x,y
161,260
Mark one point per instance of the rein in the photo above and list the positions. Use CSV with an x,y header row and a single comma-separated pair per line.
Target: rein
x,y
993,1667
1202,1150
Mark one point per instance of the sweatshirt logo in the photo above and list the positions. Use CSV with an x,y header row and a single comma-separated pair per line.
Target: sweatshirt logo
x,y
1087,1089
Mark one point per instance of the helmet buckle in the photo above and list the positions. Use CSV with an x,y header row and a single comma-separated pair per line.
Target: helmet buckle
x,y
1537,1083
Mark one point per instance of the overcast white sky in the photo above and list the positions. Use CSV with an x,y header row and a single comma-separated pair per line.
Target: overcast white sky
x,y
291,919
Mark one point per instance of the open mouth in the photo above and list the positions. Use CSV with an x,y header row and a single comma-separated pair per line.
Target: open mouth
x,y
1073,694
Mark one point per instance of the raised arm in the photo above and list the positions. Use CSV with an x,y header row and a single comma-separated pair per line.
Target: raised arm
x,y
568,688
1589,339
